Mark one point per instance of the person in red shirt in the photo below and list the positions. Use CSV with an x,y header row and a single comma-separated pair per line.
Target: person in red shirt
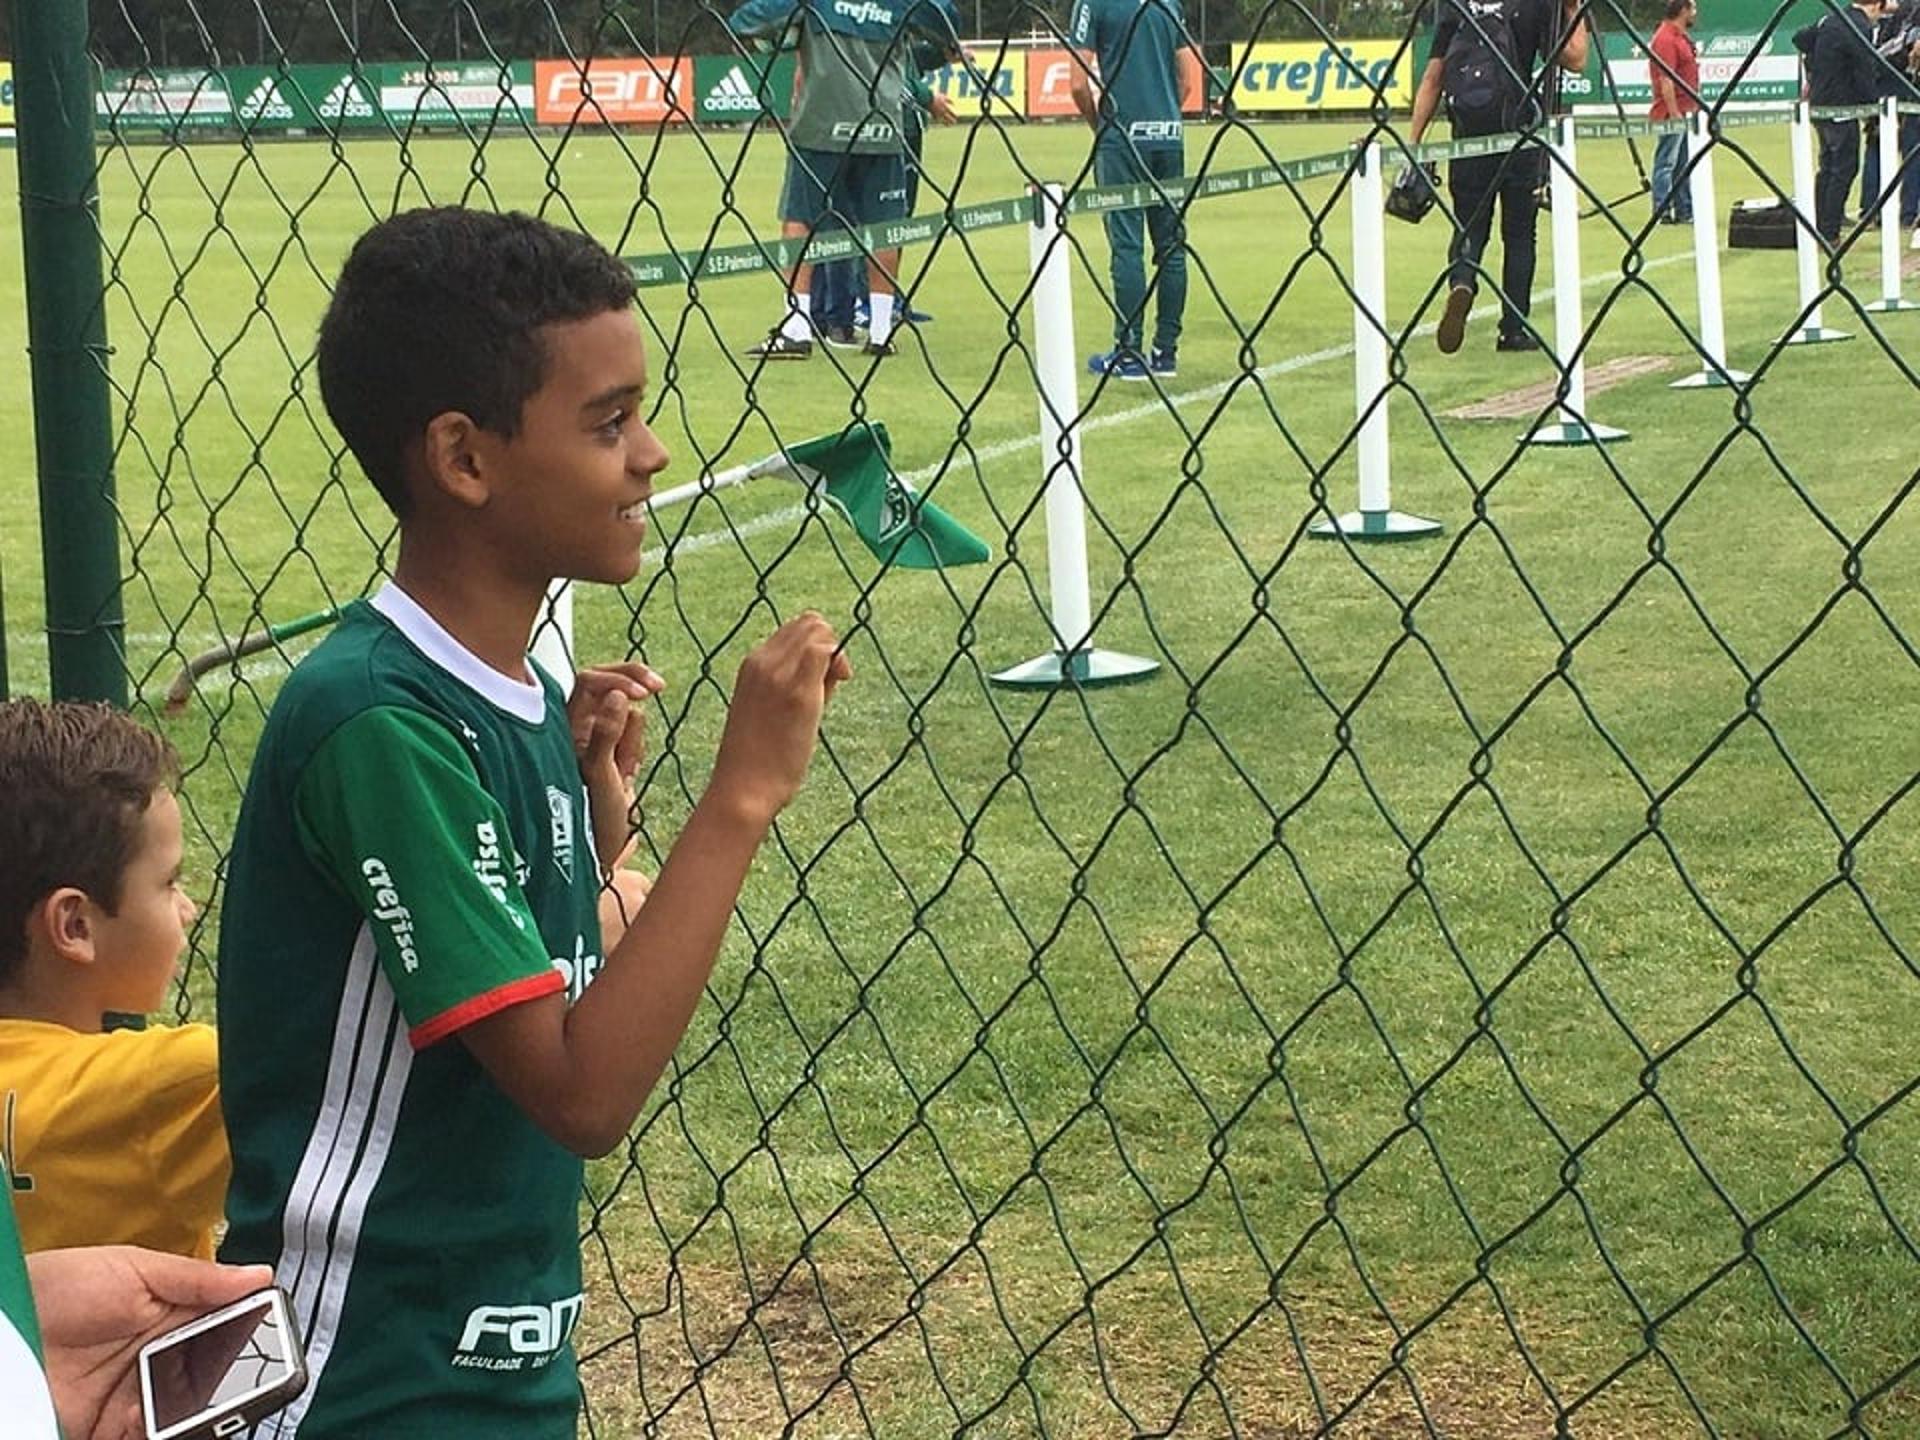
x,y
1674,64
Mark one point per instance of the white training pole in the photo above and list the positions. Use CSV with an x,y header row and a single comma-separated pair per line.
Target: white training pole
x,y
1706,261
552,642
1807,242
1573,427
1073,660
1370,330
1059,436
1890,212
1376,518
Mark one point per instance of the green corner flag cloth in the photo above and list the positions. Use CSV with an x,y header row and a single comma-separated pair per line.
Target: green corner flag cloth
x,y
854,473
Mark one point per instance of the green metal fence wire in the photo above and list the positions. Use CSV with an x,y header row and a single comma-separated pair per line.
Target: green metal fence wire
x,y
1470,991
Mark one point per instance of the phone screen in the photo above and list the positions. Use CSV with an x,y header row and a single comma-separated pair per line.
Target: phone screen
x,y
214,1368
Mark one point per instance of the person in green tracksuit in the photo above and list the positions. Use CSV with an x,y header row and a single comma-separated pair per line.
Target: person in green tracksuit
x,y
1135,60
847,161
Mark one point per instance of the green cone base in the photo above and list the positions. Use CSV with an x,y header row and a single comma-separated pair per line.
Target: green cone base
x,y
1082,670
1574,432
1377,526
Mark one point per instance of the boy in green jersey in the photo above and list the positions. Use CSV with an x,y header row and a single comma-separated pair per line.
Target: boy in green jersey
x,y
420,1036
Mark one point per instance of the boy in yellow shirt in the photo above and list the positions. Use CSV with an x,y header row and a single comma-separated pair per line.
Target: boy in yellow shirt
x,y
109,1137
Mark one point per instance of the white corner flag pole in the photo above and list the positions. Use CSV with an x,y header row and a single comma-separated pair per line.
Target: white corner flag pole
x,y
1573,427
1706,262
1807,242
1376,519
1073,660
1890,212
552,641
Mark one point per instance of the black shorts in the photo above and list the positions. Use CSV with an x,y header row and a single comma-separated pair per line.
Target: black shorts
x,y
852,189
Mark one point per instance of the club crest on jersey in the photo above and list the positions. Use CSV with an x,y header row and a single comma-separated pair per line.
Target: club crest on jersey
x,y
560,829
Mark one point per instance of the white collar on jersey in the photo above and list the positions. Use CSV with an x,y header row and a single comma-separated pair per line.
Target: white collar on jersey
x,y
521,699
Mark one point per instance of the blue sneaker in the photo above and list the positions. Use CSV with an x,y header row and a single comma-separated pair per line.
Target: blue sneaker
x,y
918,317
861,315
1120,364
1163,364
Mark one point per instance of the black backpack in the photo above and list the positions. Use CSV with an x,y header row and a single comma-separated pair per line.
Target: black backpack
x,y
1486,82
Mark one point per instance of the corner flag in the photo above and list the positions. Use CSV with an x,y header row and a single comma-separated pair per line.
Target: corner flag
x,y
854,473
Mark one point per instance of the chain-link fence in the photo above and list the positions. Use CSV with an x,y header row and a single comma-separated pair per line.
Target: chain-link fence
x,y
1467,989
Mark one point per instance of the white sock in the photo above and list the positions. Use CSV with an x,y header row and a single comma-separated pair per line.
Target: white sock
x,y
879,317
799,322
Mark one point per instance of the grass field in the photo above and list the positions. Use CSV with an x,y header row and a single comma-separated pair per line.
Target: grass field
x,y
1474,981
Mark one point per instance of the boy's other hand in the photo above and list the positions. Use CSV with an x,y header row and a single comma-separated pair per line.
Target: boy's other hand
x,y
774,720
609,728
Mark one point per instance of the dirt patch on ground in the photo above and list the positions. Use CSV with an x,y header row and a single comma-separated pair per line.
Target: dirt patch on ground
x,y
1530,400
834,1352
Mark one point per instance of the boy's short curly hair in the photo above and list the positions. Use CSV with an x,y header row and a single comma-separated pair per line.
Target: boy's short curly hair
x,y
440,310
77,780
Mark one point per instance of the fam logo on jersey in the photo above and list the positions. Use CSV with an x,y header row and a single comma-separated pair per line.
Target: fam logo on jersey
x,y
560,829
734,94
389,911
865,130
517,1337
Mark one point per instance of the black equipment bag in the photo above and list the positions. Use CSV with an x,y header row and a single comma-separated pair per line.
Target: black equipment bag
x,y
1415,191
1761,225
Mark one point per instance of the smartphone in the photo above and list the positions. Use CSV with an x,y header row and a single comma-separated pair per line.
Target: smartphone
x,y
217,1375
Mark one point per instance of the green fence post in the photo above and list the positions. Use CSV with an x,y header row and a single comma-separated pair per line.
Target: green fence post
x,y
67,336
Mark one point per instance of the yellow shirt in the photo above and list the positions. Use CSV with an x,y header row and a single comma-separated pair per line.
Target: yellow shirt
x,y
113,1139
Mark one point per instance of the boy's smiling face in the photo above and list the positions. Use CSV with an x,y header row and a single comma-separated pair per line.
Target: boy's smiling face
x,y
567,492
136,949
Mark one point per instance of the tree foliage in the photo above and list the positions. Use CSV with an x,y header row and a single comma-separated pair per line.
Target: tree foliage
x,y
165,33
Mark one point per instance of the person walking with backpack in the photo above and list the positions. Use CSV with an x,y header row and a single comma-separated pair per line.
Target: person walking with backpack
x,y
1490,61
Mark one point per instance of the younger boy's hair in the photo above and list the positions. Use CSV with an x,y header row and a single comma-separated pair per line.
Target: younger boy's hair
x,y
75,780
440,310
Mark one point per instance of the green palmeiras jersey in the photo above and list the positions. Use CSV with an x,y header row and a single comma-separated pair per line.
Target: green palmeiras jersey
x,y
1138,45
853,64
412,855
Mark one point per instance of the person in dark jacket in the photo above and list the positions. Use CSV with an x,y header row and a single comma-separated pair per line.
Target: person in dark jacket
x,y
1842,69
1896,39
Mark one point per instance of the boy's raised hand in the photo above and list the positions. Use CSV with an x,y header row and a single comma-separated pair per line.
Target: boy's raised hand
x,y
609,726
774,719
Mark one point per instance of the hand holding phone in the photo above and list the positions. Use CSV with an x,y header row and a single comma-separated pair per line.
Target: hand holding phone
x,y
217,1375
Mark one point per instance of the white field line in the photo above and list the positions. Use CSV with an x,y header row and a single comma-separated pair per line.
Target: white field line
x,y
1000,449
